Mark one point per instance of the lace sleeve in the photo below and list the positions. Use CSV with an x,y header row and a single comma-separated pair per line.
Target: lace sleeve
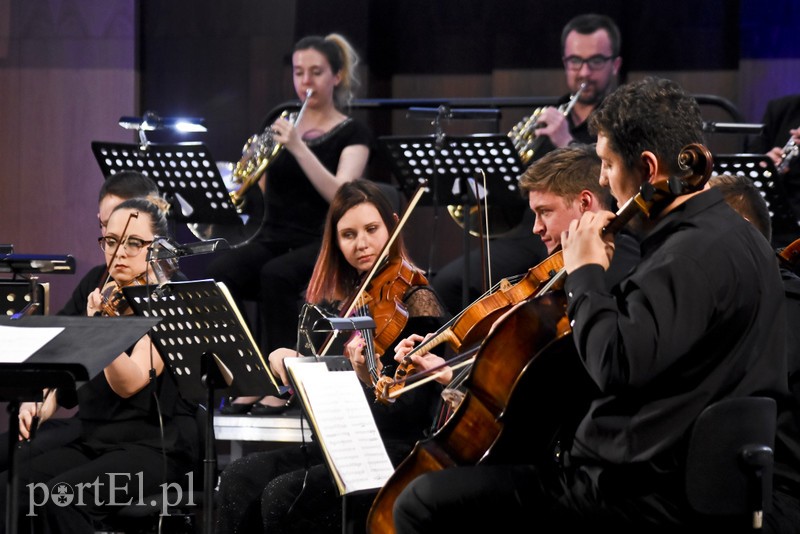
x,y
422,301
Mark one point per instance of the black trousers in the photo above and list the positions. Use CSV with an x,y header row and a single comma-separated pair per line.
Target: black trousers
x,y
273,274
51,434
136,471
498,497
283,490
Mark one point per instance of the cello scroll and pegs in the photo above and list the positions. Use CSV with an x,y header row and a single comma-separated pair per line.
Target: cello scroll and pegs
x,y
697,163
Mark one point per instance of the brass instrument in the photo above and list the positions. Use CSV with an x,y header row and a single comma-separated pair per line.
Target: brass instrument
x,y
525,143
258,153
790,151
523,132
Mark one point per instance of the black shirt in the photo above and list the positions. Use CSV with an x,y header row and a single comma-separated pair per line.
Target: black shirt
x,y
700,318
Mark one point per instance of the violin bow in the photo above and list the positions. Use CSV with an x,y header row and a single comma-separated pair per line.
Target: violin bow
x,y
107,271
432,373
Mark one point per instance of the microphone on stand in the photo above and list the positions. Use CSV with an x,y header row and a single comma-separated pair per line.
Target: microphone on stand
x,y
732,127
446,112
164,248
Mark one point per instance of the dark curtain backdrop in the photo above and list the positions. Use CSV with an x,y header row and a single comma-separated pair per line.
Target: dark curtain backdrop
x,y
229,62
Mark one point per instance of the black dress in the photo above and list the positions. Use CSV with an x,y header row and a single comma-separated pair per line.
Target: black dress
x,y
125,448
274,268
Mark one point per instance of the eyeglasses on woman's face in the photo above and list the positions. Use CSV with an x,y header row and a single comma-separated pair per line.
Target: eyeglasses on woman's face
x,y
133,245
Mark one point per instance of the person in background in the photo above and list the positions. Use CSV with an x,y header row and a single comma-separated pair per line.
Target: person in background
x,y
780,140
116,188
743,196
324,150
666,342
590,53
290,489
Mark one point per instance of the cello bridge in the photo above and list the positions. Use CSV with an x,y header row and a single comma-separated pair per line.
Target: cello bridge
x,y
452,397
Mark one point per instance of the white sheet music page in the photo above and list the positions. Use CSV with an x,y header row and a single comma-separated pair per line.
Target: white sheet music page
x,y
19,343
345,427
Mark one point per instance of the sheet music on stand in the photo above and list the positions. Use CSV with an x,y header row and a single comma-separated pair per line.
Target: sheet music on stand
x,y
415,160
761,169
200,317
185,173
333,400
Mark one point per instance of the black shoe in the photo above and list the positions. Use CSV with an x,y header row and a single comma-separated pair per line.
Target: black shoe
x,y
266,409
232,408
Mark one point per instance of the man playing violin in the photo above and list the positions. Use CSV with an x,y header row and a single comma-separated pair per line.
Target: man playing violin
x,y
290,489
560,186
678,333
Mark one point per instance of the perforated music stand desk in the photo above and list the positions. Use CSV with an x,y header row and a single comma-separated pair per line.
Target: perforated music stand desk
x,y
200,317
185,172
204,342
761,170
85,346
417,160
448,164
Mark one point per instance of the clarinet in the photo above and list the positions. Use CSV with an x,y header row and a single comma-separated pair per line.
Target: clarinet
x,y
789,151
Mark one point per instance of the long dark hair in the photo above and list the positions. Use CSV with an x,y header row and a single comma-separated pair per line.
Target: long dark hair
x,y
334,279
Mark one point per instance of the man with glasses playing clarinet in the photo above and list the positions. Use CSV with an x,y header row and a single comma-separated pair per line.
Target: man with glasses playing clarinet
x,y
590,52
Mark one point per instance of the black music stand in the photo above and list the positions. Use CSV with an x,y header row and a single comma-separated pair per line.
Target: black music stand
x,y
205,343
453,167
325,323
79,352
761,169
15,296
184,173
28,266
37,264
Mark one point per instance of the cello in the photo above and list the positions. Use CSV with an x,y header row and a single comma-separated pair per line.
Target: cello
x,y
528,359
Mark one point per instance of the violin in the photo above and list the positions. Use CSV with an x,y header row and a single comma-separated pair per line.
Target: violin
x,y
383,301
472,324
114,303
528,360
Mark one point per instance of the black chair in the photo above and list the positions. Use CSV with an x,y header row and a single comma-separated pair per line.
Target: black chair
x,y
184,506
729,465
393,195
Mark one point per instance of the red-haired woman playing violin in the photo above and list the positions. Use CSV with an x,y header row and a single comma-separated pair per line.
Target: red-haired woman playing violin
x,y
265,490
